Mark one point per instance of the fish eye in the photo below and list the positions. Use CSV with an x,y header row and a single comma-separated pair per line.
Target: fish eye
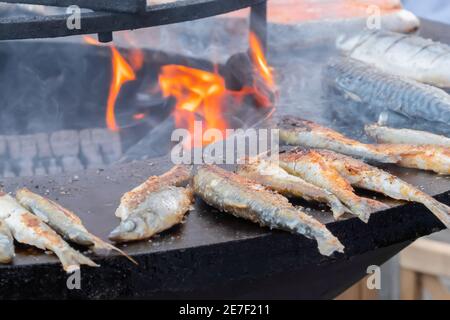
x,y
129,225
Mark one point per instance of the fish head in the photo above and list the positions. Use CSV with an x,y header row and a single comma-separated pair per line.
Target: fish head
x,y
129,229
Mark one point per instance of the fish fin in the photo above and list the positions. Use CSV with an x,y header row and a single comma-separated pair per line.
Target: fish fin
x,y
440,210
72,259
103,245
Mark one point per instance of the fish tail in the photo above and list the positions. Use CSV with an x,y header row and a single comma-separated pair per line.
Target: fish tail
x,y
440,210
366,207
329,244
99,244
337,207
72,259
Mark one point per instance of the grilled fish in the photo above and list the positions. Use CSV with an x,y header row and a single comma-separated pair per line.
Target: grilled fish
x,y
62,220
311,166
429,157
379,91
364,176
299,132
243,198
408,56
406,136
274,177
6,243
131,201
29,229
155,206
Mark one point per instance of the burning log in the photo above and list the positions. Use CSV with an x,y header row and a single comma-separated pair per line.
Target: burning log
x,y
241,73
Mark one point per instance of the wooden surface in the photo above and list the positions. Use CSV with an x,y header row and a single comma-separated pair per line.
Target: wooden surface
x,y
422,266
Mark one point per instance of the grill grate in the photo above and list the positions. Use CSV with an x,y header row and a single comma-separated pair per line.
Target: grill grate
x,y
104,23
125,6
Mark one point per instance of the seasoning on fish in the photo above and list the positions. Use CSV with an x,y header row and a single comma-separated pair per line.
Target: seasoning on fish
x,y
406,136
378,91
245,199
131,201
299,132
311,166
408,56
29,229
429,157
155,206
6,243
62,220
275,178
364,176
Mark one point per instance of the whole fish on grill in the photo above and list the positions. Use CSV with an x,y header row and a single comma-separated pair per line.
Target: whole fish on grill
x,y
375,91
274,177
408,56
406,136
62,220
246,199
364,176
299,132
310,165
155,206
6,243
29,229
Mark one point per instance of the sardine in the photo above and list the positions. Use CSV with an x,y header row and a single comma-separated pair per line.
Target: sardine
x,y
408,56
406,136
365,176
131,201
245,199
377,91
311,166
277,179
6,243
155,206
29,229
63,221
429,157
299,132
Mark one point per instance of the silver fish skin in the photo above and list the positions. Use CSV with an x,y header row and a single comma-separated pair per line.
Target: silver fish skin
x,y
6,243
407,56
155,206
246,199
63,221
406,136
368,177
178,176
277,179
29,229
298,132
381,91
312,167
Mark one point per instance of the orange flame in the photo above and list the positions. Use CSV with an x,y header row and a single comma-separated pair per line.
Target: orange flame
x,y
197,92
122,73
260,61
202,94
